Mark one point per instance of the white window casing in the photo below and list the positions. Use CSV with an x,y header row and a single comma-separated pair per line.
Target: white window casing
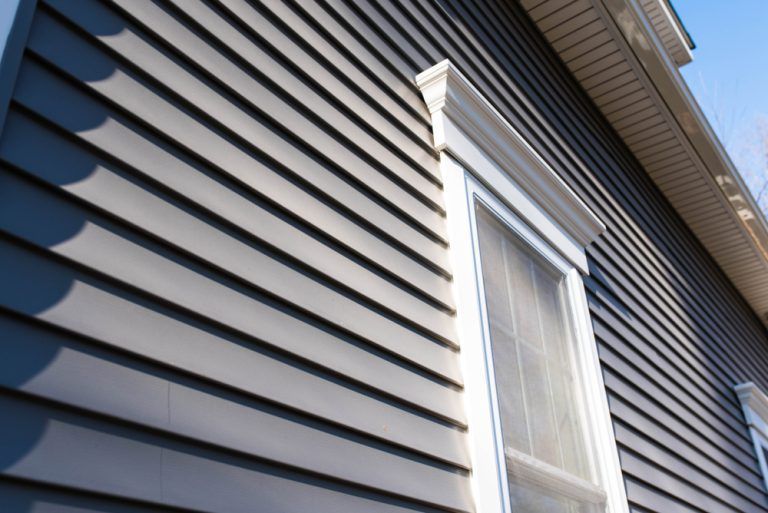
x,y
754,403
485,160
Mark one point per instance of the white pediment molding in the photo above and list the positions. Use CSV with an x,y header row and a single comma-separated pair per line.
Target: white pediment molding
x,y
460,112
754,402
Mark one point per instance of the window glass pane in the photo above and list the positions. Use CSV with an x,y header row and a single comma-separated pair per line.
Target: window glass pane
x,y
532,353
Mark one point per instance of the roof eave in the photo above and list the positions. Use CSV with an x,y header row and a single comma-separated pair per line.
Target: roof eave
x,y
665,76
641,93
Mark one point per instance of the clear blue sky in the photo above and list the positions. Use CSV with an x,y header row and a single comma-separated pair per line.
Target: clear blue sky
x,y
729,74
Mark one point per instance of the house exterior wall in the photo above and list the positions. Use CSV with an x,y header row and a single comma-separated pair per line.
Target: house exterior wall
x,y
226,282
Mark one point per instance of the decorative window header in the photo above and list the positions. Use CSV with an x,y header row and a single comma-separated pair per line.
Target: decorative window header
x,y
463,121
755,405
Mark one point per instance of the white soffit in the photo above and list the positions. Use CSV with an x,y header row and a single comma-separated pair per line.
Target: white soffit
x,y
669,30
614,50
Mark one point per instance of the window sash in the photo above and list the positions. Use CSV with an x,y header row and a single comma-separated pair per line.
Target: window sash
x,y
523,468
529,320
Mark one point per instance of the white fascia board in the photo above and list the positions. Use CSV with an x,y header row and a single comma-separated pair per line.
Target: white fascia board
x,y
468,127
679,50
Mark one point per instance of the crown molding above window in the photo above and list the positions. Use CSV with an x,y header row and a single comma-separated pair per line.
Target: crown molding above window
x,y
754,402
460,114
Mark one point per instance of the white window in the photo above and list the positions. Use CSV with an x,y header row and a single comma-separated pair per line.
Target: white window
x,y
754,402
541,437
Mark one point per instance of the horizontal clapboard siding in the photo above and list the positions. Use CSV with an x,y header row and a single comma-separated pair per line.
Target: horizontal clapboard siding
x,y
226,280
223,239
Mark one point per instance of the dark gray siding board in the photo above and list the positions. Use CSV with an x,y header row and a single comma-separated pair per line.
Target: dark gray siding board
x,y
302,48
361,412
18,495
221,225
98,246
357,58
628,419
127,90
701,484
691,367
273,105
342,358
121,388
652,379
226,283
160,470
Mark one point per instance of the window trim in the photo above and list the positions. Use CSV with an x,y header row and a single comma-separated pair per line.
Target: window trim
x,y
481,153
754,404
537,472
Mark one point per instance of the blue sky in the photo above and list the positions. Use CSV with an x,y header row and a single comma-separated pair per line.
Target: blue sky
x,y
729,76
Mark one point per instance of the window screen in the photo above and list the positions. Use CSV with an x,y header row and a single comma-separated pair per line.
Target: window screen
x,y
536,387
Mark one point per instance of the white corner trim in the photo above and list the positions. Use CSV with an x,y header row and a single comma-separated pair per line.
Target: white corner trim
x,y
460,113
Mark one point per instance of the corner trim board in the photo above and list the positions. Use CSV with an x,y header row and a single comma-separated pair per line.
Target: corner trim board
x,y
15,22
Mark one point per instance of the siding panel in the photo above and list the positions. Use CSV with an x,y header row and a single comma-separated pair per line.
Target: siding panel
x,y
222,231
234,279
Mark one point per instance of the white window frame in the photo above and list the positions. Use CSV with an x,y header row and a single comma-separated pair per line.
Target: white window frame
x,y
754,403
483,157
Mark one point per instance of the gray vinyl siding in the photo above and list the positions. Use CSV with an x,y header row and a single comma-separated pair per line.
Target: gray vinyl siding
x,y
226,283
225,276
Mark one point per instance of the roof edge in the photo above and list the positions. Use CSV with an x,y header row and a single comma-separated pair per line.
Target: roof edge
x,y
687,35
675,98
